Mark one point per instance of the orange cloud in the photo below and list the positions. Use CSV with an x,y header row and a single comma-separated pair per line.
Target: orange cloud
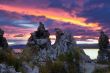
x,y
55,14
17,33
13,36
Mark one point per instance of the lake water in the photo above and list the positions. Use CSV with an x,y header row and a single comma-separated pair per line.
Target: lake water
x,y
93,53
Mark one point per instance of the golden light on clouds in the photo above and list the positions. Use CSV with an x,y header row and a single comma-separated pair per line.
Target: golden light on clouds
x,y
55,14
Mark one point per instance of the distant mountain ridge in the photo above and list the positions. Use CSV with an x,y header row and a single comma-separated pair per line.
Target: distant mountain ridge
x,y
20,46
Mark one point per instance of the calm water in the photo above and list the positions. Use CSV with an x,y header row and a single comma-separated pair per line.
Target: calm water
x,y
93,53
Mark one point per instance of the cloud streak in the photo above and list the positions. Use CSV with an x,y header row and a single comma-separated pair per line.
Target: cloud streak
x,y
82,18
51,14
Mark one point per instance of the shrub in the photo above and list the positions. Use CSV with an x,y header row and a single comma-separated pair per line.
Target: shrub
x,y
55,67
28,53
2,56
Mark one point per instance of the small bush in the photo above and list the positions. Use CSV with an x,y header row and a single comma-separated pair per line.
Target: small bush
x,y
28,53
55,67
11,60
2,56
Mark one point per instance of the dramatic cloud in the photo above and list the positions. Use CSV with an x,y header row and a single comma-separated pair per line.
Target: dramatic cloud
x,y
82,18
97,11
51,14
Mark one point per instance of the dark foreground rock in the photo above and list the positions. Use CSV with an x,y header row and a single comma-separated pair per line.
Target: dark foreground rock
x,y
3,41
104,53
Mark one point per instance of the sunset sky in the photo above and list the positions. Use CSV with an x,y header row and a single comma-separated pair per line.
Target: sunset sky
x,y
82,18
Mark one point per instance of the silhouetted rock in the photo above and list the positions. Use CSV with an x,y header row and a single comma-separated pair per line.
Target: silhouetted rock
x,y
103,54
3,47
6,56
65,44
3,41
40,37
103,41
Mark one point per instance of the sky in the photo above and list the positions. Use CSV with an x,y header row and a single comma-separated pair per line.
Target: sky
x,y
82,18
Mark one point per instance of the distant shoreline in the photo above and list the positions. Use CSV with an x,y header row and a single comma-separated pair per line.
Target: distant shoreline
x,y
82,46
89,46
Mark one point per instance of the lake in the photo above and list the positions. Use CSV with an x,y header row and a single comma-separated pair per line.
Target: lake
x,y
93,53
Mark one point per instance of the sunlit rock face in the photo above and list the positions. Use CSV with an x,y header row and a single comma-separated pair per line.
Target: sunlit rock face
x,y
3,41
